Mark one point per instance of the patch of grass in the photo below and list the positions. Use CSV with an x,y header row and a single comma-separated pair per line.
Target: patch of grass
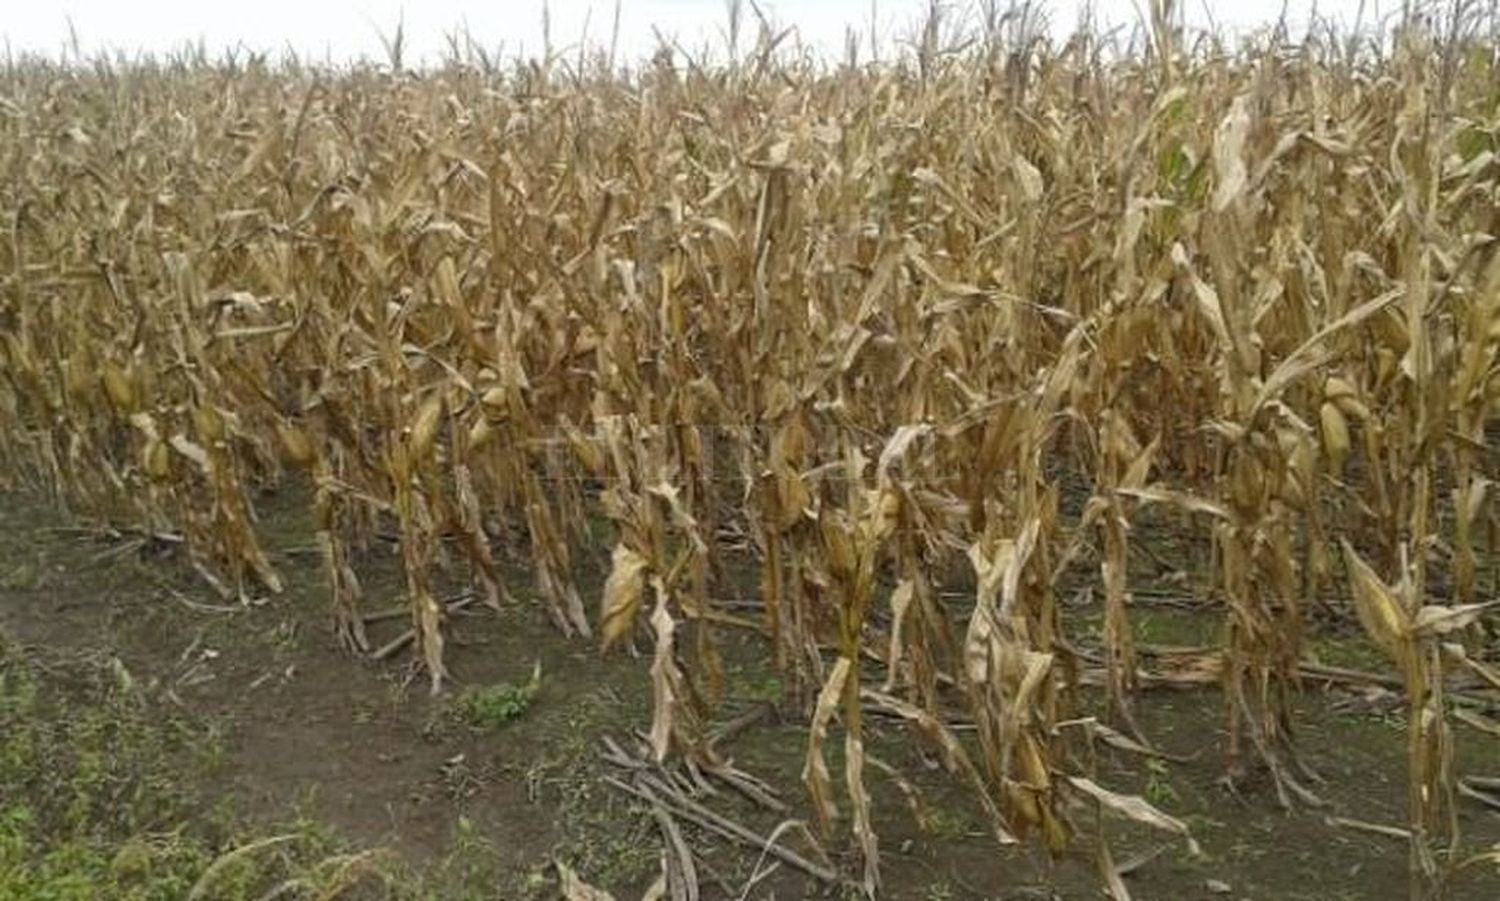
x,y
470,871
489,707
755,683
96,800
84,750
22,577
1353,651
604,835
1174,627
33,865
947,823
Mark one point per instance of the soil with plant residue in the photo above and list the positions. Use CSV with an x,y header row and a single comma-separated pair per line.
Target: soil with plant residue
x,y
260,721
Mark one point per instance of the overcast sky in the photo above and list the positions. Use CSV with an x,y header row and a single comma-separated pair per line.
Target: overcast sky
x,y
350,29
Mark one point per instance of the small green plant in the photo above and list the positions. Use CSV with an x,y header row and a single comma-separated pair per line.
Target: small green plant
x,y
946,823
469,871
364,712
492,706
754,684
939,891
22,578
1159,790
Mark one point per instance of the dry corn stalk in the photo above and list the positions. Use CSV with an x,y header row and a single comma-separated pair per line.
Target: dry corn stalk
x,y
481,308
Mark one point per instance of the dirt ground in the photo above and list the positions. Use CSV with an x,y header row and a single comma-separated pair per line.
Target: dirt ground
x,y
479,792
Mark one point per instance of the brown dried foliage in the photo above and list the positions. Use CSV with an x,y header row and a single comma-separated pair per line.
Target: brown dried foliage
x,y
867,318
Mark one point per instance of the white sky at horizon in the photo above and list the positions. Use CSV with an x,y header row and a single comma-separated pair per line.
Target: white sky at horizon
x,y
347,31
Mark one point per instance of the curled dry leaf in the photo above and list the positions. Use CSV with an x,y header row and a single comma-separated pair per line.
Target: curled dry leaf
x,y
901,600
1135,808
1229,154
1439,620
953,753
573,887
623,591
815,768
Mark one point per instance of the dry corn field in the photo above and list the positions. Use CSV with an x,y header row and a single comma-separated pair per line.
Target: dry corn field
x,y
888,366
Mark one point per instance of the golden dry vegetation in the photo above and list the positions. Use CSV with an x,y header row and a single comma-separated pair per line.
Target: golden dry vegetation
x,y
920,341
